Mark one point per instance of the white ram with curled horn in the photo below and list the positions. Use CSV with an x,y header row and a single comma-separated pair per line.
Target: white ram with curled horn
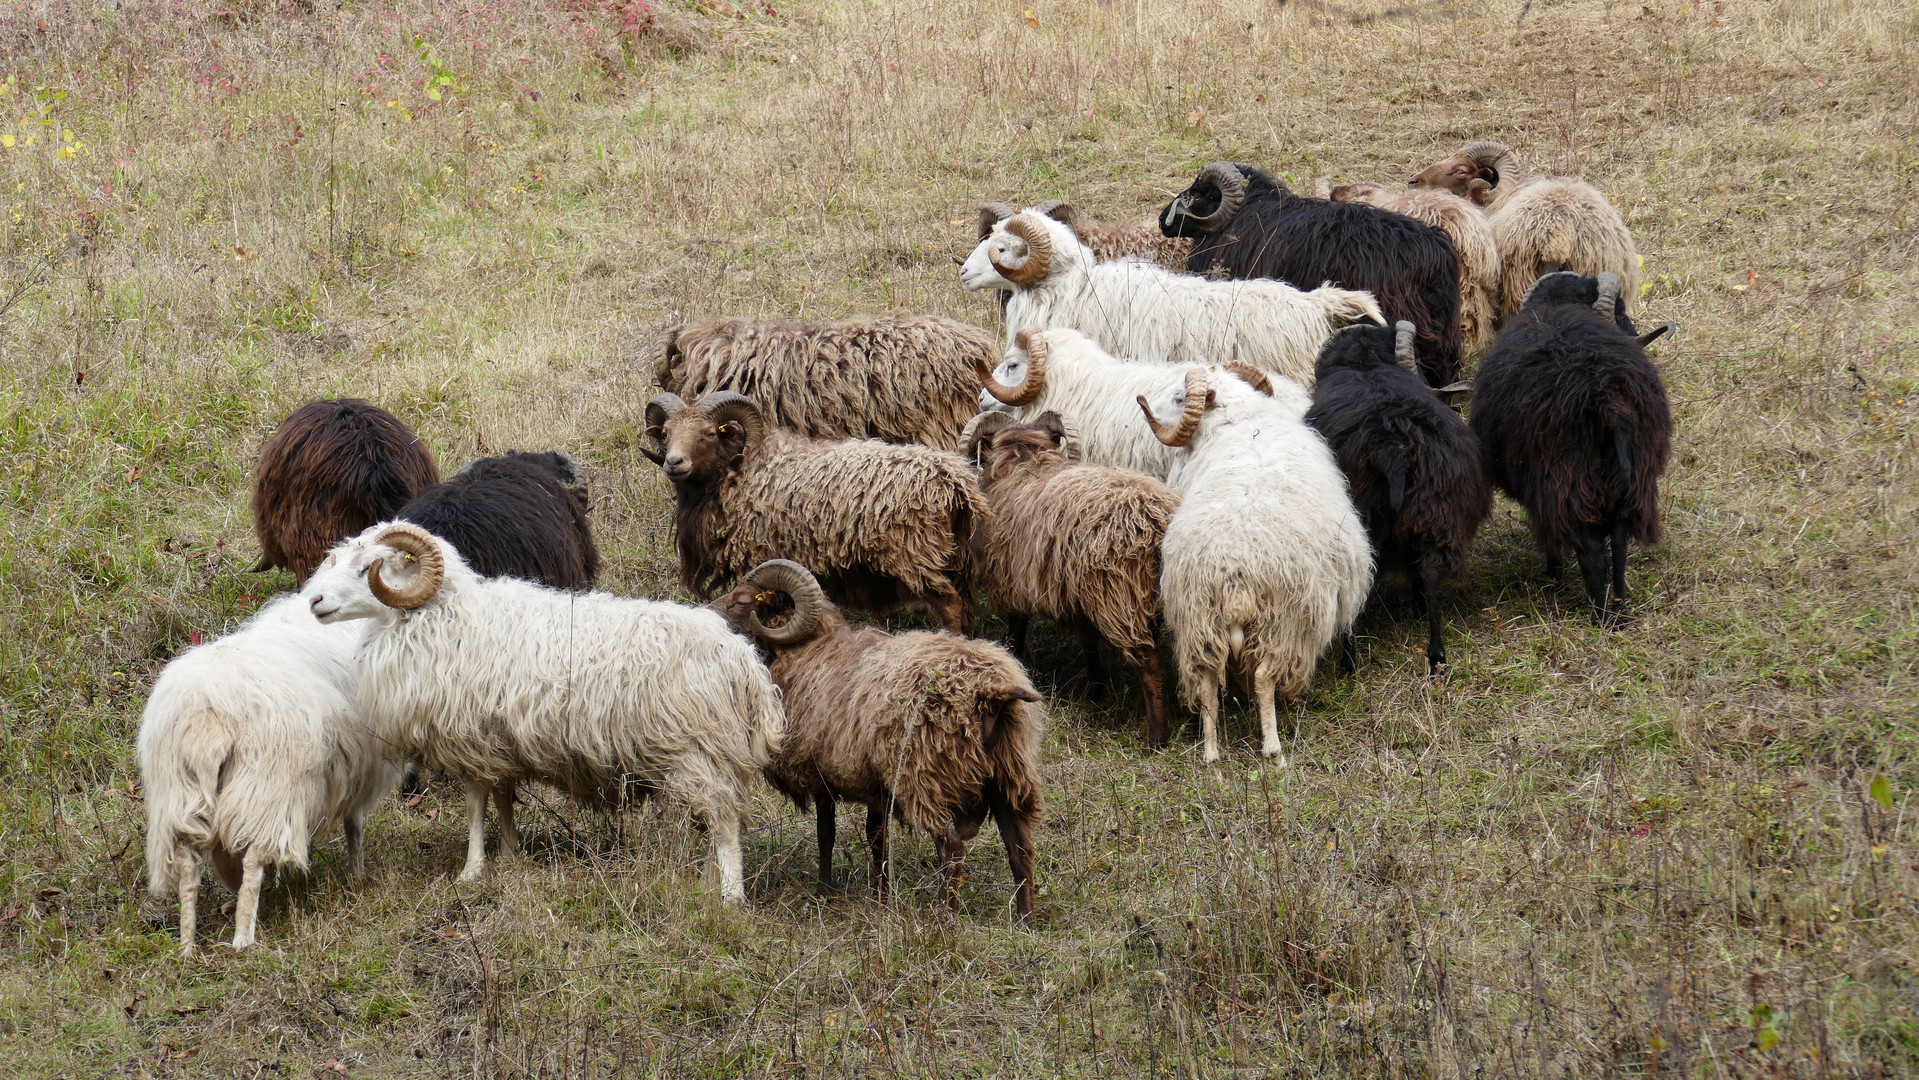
x,y
1266,560
1147,312
501,682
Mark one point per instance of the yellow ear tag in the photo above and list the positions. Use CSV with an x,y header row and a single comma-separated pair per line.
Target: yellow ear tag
x,y
728,428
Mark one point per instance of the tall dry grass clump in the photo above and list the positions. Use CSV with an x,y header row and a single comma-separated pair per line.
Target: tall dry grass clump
x,y
1682,848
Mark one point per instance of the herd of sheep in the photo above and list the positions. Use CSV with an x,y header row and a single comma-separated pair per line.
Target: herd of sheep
x,y
1225,422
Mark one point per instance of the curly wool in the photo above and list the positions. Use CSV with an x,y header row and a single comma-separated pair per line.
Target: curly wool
x,y
1473,239
896,377
910,524
1549,223
1135,240
255,743
1065,539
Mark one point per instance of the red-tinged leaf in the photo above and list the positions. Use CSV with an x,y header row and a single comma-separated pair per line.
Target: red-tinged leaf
x,y
194,637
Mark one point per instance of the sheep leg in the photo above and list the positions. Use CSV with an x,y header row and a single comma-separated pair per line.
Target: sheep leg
x,y
951,608
826,812
1619,569
356,843
1016,831
1435,632
1555,566
1152,685
475,831
187,884
503,797
1594,566
952,853
1208,692
246,912
725,827
1263,684
1020,625
1348,646
1090,640
876,841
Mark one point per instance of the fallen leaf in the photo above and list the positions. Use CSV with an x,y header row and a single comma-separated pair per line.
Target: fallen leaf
x,y
134,1008
1032,20
334,1065
189,1010
135,473
50,893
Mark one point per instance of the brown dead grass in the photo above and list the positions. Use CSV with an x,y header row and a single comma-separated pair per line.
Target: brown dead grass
x,y
1648,852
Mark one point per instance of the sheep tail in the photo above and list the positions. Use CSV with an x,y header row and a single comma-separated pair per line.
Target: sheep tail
x,y
1624,450
1346,306
181,783
1392,461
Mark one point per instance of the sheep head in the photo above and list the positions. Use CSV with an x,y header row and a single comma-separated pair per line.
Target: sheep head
x,y
1016,254
1216,194
1009,445
1472,173
763,589
1024,366
981,429
697,443
392,567
1191,402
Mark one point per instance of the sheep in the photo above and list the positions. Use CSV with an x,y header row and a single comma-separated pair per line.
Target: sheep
x,y
522,515
1472,237
1542,224
1412,464
897,377
501,682
1072,542
1135,309
880,524
1265,560
1133,240
250,746
1576,427
331,469
939,730
1245,224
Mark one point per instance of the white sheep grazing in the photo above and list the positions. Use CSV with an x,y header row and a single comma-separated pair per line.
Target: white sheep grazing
x,y
1266,560
249,747
501,682
1147,312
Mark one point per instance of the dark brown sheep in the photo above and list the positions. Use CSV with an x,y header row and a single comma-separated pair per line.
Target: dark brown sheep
x,y
331,469
934,729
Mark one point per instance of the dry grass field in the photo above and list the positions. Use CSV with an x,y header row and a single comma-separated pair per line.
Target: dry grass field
x,y
1676,849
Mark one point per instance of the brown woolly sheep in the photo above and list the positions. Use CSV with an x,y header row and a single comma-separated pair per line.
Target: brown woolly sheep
x,y
1472,237
936,729
1542,224
1073,542
882,524
1140,238
331,469
895,377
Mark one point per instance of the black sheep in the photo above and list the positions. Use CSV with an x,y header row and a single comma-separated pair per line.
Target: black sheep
x,y
1245,224
1576,427
331,469
522,515
1413,465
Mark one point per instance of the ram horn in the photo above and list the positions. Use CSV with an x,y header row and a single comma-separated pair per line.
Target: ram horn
x,y
1231,183
1403,354
1197,396
1657,332
1064,432
1530,289
658,412
1608,294
669,354
981,428
1479,191
1035,347
1059,210
415,544
1494,157
796,581
725,407
1253,376
991,214
1039,251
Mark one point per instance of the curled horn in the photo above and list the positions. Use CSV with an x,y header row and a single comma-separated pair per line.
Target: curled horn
x,y
1059,210
1063,431
1254,377
796,581
1403,346
670,355
991,214
1530,289
1231,183
1035,347
1039,251
724,407
981,428
1656,333
1608,293
1479,191
1196,395
658,412
1492,157
416,544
